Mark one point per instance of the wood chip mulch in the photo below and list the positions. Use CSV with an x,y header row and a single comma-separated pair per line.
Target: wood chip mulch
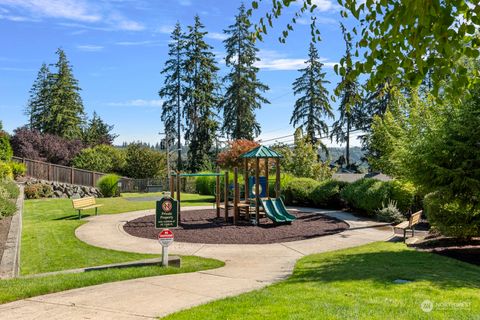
x,y
467,251
202,226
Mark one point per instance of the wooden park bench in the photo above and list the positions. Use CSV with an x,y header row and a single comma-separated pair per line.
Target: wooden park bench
x,y
410,224
84,204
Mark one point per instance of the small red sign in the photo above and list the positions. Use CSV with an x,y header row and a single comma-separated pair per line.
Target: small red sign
x,y
165,234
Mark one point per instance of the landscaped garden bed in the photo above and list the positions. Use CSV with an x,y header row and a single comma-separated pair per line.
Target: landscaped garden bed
x,y
203,226
464,250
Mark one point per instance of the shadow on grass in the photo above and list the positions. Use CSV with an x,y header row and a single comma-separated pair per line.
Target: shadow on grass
x,y
74,217
386,266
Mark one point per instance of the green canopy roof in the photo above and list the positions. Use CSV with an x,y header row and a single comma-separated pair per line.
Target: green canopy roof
x,y
261,152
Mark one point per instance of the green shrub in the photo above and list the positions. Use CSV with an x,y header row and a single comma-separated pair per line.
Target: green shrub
x,y
4,194
18,169
403,193
7,207
327,194
285,178
108,185
205,185
390,213
143,162
298,190
6,152
38,191
5,171
452,216
11,187
369,195
101,158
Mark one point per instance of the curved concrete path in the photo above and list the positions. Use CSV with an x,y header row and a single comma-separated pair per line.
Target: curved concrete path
x,y
247,267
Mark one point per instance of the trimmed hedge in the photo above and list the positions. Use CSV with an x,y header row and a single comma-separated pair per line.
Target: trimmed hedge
x,y
452,216
298,191
327,194
369,195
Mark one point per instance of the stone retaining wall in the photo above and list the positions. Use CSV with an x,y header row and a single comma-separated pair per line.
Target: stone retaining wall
x,y
65,190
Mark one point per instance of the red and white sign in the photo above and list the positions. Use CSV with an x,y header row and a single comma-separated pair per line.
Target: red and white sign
x,y
165,237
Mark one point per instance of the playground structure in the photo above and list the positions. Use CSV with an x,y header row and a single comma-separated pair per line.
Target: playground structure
x,y
273,208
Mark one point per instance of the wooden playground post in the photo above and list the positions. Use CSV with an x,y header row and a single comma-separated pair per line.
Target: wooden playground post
x,y
178,195
267,192
226,196
172,186
277,178
257,190
217,192
235,195
247,184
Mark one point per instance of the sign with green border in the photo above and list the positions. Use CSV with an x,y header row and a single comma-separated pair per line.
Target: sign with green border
x,y
166,213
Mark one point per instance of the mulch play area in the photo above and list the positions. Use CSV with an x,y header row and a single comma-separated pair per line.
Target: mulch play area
x,y
453,248
203,226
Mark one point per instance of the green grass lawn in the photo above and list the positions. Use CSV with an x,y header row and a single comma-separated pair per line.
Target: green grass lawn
x,y
358,284
48,237
21,288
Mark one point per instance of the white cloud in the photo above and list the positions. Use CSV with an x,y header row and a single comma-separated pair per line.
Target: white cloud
x,y
90,47
95,12
185,2
69,9
167,29
137,103
275,61
325,5
216,36
319,20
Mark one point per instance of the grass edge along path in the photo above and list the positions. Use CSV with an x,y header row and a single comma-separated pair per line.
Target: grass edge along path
x,y
22,288
48,235
358,283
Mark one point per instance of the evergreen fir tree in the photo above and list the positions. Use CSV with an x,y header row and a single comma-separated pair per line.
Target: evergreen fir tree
x,y
39,102
65,114
201,98
313,105
173,89
98,132
350,102
243,94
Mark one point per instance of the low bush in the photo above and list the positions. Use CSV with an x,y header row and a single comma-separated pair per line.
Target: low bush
x,y
327,194
452,216
18,169
298,190
369,195
5,171
38,191
8,195
108,185
7,207
11,187
390,213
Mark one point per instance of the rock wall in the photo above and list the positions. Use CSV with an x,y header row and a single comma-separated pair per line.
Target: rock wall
x,y
65,190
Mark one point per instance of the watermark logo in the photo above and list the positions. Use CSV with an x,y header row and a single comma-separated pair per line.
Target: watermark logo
x,y
426,306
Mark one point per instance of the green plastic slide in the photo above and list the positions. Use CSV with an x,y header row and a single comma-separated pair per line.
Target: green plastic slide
x,y
280,207
273,213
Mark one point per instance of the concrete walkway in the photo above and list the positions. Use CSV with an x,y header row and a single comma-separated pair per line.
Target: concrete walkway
x,y
248,267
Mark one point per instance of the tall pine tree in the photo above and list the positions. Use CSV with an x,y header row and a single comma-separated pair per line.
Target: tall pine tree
x,y
201,97
98,132
40,98
244,90
350,101
173,89
65,114
313,105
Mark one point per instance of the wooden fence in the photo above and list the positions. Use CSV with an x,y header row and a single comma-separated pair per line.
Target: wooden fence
x,y
58,173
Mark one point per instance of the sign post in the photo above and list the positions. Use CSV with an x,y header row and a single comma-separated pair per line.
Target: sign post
x,y
166,239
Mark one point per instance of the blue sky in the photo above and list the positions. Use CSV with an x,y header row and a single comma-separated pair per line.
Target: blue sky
x,y
118,47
